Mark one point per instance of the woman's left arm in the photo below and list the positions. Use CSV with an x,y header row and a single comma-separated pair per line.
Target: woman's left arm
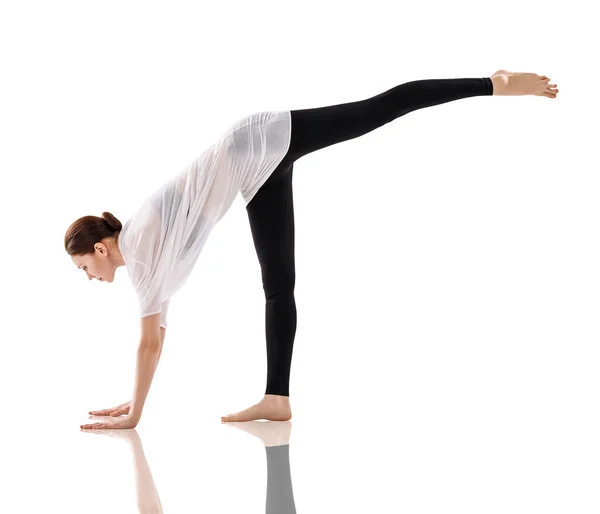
x,y
148,354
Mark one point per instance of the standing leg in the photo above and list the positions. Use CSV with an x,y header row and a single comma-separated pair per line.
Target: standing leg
x,y
271,217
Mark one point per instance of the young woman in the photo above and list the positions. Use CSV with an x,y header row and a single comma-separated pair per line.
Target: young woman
x,y
161,242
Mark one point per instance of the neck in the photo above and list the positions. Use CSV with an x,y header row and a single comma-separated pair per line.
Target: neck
x,y
115,247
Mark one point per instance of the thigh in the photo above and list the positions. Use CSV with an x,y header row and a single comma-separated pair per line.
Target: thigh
x,y
314,129
271,217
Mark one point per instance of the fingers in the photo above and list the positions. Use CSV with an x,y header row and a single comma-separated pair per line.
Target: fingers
x,y
107,412
122,410
113,412
104,412
92,426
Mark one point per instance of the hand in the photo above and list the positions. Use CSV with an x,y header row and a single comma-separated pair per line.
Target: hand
x,y
115,411
126,422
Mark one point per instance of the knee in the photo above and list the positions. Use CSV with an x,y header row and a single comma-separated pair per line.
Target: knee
x,y
280,286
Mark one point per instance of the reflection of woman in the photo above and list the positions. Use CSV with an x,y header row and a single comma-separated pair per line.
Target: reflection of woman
x,y
146,494
275,435
160,244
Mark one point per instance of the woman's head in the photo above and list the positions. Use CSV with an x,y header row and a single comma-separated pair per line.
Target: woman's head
x,y
91,241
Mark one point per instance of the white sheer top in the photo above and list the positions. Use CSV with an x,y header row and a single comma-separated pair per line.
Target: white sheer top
x,y
163,239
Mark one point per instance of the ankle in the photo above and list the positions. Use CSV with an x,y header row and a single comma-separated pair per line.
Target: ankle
x,y
500,83
277,398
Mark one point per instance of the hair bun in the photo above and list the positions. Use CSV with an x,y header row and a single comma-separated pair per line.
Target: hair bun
x,y
83,234
111,221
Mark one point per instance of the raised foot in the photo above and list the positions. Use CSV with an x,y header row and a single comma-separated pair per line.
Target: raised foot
x,y
509,83
272,407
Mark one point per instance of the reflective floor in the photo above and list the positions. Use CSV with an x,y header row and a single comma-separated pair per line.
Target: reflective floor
x,y
437,462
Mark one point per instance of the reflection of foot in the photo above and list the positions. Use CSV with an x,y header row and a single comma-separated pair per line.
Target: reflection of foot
x,y
509,83
272,407
271,433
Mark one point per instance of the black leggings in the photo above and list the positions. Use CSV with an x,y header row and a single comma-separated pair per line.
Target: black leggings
x,y
271,211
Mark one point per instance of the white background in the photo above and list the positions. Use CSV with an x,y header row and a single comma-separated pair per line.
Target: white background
x,y
447,281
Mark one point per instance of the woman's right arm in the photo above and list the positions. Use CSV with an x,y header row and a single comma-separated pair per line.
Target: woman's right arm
x,y
163,331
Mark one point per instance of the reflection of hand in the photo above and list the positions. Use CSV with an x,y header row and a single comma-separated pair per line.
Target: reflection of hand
x,y
114,411
118,422
130,436
146,494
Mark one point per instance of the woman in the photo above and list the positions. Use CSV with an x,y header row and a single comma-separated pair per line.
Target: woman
x,y
161,242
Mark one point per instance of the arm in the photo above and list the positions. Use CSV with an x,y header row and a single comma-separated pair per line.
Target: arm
x,y
148,354
163,331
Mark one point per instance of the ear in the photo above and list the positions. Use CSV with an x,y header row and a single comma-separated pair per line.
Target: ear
x,y
150,326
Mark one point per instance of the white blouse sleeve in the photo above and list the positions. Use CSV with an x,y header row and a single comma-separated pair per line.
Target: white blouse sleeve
x,y
163,313
145,267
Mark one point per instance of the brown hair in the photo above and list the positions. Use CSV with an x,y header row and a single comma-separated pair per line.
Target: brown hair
x,y
85,232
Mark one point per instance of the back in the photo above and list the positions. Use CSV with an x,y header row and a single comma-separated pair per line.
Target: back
x,y
163,239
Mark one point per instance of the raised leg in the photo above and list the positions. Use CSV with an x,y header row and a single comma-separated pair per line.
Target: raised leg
x,y
313,129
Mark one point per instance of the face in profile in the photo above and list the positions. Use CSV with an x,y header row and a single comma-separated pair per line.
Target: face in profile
x,y
97,265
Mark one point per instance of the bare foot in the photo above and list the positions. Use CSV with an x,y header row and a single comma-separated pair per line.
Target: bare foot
x,y
272,407
509,83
